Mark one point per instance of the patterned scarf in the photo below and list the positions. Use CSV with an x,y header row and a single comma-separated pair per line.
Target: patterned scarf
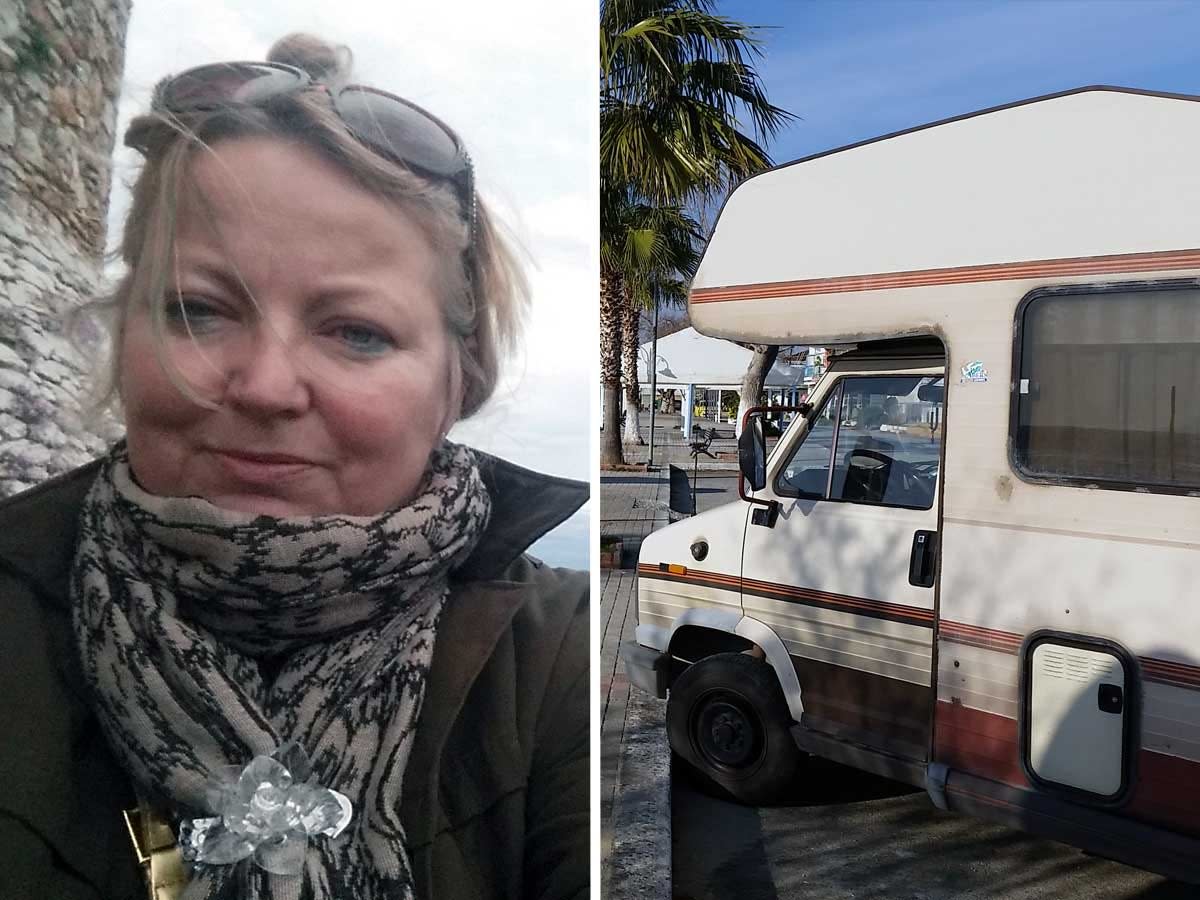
x,y
175,602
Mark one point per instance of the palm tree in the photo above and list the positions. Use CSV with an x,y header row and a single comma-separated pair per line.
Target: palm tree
x,y
657,251
675,77
646,252
56,204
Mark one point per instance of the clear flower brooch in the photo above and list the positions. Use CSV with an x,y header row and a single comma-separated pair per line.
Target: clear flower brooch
x,y
267,811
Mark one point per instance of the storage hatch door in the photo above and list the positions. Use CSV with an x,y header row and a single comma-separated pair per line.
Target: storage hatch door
x,y
1077,711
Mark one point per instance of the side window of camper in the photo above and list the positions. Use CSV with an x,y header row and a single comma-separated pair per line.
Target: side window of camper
x,y
881,437
1108,388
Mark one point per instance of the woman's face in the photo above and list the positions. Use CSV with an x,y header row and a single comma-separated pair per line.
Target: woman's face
x,y
333,384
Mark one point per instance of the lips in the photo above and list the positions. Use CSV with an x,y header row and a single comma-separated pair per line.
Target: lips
x,y
261,468
281,458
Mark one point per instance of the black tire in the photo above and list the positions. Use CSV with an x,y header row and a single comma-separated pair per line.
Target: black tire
x,y
727,718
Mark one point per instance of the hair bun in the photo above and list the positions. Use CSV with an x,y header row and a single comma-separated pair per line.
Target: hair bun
x,y
324,62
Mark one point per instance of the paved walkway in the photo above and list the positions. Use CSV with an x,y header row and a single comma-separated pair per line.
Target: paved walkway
x,y
840,834
671,449
618,619
634,778
632,504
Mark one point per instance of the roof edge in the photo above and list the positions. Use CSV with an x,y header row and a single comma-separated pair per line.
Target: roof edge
x,y
979,112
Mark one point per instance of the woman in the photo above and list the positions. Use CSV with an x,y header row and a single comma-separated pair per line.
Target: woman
x,y
286,617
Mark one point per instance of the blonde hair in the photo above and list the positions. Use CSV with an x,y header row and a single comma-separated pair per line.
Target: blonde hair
x,y
484,292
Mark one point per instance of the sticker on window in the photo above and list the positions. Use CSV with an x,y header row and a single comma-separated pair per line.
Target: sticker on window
x,y
973,371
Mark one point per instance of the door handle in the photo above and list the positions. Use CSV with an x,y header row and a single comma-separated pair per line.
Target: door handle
x,y
923,561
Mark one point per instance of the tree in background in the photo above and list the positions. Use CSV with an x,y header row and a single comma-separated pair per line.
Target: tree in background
x,y
644,251
674,78
658,254
60,73
752,382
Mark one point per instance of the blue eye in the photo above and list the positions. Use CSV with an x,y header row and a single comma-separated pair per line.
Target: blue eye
x,y
189,313
363,339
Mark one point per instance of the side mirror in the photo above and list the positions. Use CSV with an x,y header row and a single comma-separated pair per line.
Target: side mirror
x,y
752,452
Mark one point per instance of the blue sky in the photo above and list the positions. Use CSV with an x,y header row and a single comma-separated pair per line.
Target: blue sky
x,y
857,69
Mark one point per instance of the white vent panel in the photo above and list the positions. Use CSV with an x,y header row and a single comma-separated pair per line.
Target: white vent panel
x,y
1072,741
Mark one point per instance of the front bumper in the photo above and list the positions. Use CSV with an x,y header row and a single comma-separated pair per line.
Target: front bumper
x,y
648,669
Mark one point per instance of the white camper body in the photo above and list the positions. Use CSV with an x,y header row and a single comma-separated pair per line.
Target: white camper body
x,y
974,564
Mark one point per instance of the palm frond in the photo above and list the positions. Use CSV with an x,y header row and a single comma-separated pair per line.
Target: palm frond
x,y
676,79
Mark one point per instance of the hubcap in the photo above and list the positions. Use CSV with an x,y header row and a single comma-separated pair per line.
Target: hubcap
x,y
726,733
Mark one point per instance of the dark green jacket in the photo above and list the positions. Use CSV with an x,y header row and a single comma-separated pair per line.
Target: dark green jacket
x,y
496,791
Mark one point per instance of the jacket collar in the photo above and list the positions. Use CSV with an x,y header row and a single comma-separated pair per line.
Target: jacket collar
x,y
39,530
525,506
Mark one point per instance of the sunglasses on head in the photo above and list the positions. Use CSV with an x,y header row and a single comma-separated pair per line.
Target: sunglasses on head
x,y
391,126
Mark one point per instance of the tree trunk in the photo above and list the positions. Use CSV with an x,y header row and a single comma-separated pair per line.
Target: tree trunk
x,y
753,380
611,295
631,317
60,72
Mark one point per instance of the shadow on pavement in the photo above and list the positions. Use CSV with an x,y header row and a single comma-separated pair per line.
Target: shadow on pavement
x,y
844,835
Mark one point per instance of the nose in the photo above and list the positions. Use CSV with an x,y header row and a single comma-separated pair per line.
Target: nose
x,y
266,378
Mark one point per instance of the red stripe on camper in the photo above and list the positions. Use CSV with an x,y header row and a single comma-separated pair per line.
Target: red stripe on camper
x,y
977,742
1173,673
977,636
1163,671
1166,792
1166,260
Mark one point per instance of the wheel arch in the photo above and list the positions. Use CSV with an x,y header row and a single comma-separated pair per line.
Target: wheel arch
x,y
704,632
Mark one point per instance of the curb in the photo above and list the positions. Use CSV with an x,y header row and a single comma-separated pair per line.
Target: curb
x,y
640,861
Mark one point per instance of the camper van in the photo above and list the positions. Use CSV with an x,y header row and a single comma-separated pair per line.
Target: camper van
x,y
972,562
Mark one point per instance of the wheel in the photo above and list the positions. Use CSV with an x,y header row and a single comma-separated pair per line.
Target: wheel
x,y
727,718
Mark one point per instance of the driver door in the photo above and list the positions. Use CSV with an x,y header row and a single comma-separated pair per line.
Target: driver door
x,y
845,574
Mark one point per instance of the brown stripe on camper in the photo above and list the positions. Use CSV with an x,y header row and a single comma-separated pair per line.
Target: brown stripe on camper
x,y
690,576
977,636
1162,671
861,606
1158,261
1167,672
1166,792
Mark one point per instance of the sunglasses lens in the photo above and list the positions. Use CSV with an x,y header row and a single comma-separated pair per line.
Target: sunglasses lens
x,y
401,131
225,83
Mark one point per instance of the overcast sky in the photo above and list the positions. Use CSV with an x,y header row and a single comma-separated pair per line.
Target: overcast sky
x,y
518,82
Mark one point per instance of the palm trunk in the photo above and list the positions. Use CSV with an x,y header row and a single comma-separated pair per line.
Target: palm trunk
x,y
64,60
630,319
752,382
610,369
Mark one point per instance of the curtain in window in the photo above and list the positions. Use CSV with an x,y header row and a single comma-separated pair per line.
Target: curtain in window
x,y
1111,387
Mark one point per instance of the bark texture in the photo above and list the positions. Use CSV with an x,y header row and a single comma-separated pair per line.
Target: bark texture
x,y
611,297
752,382
631,318
60,73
